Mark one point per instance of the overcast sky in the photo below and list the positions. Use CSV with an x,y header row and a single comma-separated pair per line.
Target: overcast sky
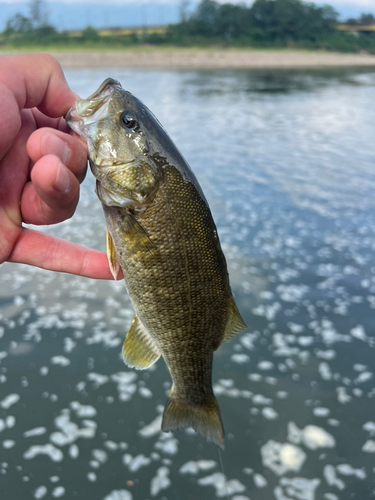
x,y
76,14
369,4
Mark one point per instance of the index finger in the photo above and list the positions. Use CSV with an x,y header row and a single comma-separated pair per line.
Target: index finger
x,y
37,80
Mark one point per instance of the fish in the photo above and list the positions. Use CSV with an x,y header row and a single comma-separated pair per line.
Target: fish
x,y
161,233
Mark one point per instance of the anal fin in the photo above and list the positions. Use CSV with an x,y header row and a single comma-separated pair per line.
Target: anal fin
x,y
139,350
235,324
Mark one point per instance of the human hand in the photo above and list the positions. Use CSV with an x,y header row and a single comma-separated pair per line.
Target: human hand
x,y
41,166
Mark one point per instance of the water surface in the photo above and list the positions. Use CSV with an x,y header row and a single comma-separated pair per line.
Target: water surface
x,y
286,160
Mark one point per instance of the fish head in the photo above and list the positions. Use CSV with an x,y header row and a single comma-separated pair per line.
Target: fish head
x,y
114,124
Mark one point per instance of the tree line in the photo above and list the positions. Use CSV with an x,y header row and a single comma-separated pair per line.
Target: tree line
x,y
266,23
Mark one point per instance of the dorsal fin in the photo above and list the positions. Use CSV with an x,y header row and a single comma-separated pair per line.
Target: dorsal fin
x,y
235,324
139,350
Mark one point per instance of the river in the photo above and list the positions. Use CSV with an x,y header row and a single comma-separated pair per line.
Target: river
x,y
287,163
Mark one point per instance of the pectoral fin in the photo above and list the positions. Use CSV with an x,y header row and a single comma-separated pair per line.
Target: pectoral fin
x,y
140,237
139,350
112,261
235,323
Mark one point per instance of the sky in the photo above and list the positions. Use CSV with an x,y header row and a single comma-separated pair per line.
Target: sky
x,y
76,14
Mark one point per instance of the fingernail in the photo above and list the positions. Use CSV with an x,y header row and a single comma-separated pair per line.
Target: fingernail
x,y
53,145
62,181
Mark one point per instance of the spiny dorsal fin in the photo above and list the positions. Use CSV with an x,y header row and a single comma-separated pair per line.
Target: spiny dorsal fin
x,y
235,324
111,254
139,350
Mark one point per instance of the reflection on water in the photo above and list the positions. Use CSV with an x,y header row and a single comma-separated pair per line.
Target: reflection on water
x,y
286,160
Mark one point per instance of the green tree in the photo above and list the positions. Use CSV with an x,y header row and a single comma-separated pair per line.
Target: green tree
x,y
205,18
18,24
282,20
89,34
38,14
366,19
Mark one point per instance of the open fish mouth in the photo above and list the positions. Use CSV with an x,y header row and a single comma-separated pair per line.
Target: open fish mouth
x,y
92,109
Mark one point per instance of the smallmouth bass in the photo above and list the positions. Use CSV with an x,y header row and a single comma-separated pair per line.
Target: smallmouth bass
x,y
160,231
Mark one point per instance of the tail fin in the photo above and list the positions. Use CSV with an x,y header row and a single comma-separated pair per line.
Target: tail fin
x,y
204,419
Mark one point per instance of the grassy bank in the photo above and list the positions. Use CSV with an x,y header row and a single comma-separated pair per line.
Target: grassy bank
x,y
148,57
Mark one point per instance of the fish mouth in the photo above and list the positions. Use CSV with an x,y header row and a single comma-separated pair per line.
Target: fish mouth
x,y
86,111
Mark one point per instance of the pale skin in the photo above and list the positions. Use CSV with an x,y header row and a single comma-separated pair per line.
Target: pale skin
x,y
41,166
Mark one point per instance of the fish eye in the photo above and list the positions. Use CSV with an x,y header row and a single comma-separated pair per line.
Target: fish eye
x,y
127,120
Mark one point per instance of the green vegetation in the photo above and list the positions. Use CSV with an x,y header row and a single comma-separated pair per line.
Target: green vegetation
x,y
266,24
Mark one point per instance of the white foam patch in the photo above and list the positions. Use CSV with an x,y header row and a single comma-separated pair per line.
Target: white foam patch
x,y
311,436
91,476
281,458
329,473
51,451
97,379
160,482
119,495
153,428
70,431
292,293
60,360
359,333
265,365
260,481
167,444
9,422
125,387
40,492
222,487
297,487
268,311
69,344
58,492
259,399
37,431
321,412
83,411
194,467
73,451
369,427
100,455
108,338
342,395
136,463
348,470
369,446
240,358
8,443
363,377
145,392
325,371
269,413
10,400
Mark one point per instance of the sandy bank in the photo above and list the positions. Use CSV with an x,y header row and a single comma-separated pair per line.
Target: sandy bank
x,y
208,59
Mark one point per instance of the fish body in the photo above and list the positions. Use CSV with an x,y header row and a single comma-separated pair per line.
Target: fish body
x,y
160,231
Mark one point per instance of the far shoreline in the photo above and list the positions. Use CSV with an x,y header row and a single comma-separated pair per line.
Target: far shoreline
x,y
203,59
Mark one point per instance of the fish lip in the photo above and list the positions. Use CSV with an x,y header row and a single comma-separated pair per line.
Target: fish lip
x,y
107,82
